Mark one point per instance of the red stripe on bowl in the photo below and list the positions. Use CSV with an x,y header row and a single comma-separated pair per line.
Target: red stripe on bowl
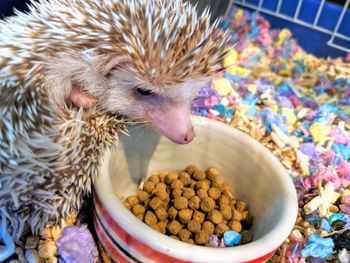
x,y
112,250
141,248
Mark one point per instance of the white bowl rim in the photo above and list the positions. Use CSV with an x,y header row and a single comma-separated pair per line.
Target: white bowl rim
x,y
177,249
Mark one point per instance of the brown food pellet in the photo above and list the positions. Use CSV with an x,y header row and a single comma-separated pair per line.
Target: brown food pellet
x,y
209,227
194,202
201,237
221,228
215,216
176,193
188,192
185,215
161,176
203,184
218,182
132,200
198,175
177,184
190,241
154,178
184,234
212,173
148,186
236,215
214,193
174,227
226,212
161,194
198,216
241,206
160,187
202,193
155,203
194,226
185,178
142,196
228,194
181,202
150,218
207,204
171,177
235,225
138,210
172,212
191,169
223,201
161,213
161,227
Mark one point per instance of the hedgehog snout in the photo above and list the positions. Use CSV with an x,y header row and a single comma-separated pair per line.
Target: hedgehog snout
x,y
173,121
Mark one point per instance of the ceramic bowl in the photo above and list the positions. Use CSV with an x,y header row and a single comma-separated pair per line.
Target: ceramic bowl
x,y
254,174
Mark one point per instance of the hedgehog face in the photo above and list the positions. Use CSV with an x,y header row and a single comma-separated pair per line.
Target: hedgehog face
x,y
112,84
166,108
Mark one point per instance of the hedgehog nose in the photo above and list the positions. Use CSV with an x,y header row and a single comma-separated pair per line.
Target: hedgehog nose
x,y
188,136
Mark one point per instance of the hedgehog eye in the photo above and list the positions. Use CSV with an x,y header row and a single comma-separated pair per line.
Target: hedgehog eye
x,y
144,92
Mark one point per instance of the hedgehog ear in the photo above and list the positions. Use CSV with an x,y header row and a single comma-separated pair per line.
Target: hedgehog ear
x,y
81,98
114,63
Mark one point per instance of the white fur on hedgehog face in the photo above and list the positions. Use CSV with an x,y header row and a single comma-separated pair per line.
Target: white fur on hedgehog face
x,y
117,89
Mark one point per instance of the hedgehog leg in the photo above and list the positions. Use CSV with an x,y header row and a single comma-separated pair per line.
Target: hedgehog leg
x,y
9,248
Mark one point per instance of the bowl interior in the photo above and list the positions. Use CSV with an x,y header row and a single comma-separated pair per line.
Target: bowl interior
x,y
254,174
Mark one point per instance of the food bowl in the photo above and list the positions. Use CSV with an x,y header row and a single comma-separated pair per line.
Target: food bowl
x,y
254,174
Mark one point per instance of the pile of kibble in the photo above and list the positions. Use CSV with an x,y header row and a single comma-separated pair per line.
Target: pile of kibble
x,y
190,206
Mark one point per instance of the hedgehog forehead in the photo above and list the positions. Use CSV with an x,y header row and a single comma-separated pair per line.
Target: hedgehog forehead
x,y
168,42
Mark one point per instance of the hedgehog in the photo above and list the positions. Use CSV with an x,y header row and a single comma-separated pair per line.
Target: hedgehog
x,y
76,73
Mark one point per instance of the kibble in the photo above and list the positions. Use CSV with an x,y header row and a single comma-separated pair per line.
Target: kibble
x,y
171,177
132,200
190,206
176,193
203,184
191,169
185,178
194,226
207,204
181,202
184,234
198,175
176,184
172,212
155,203
202,193
161,213
185,215
215,216
212,173
150,218
198,216
201,237
154,178
174,227
214,193
194,202
209,227
148,186
188,192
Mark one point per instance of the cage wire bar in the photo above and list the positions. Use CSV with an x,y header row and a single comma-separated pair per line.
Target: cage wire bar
x,y
295,18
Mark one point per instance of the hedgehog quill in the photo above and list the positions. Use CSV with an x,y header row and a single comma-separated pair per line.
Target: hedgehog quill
x,y
75,73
